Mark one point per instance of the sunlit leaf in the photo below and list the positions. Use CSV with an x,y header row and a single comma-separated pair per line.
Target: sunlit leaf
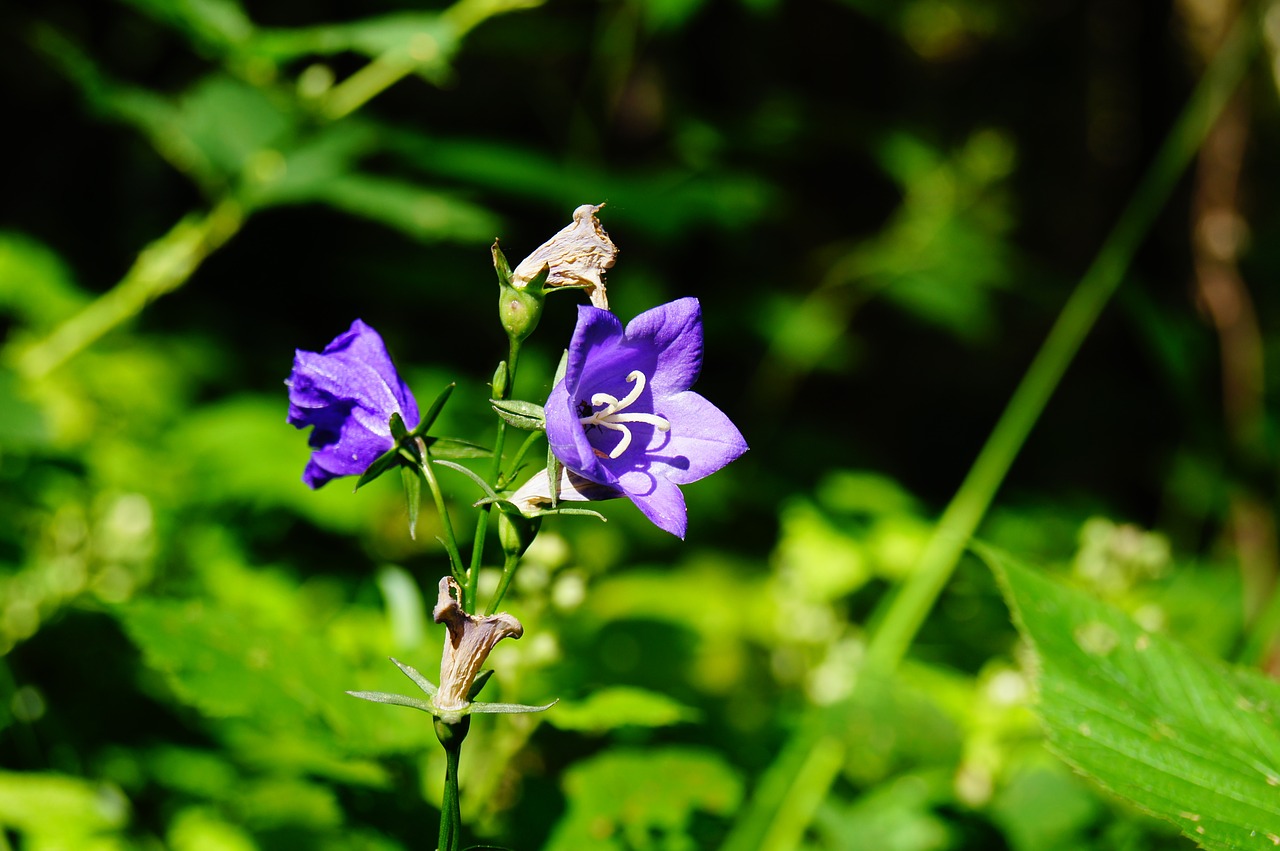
x,y
628,799
1183,737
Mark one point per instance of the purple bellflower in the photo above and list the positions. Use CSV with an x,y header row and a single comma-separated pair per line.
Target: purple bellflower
x,y
625,418
348,392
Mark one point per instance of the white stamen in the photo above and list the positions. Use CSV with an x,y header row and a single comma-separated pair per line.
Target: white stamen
x,y
611,416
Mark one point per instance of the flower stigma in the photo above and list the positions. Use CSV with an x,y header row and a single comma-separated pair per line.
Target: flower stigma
x,y
611,416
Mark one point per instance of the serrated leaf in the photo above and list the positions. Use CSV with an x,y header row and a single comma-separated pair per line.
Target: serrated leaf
x,y
1187,739
522,415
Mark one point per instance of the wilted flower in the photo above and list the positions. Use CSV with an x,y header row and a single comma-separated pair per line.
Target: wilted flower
x,y
467,645
624,416
576,256
466,648
348,392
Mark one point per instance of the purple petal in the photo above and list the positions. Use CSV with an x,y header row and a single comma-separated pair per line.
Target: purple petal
x,y
674,331
347,394
569,441
701,440
597,331
658,499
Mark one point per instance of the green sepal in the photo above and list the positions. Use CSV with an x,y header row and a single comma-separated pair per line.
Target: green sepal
x,y
412,673
477,685
554,468
508,507
395,700
501,266
433,412
507,708
384,462
412,479
522,415
398,429
499,383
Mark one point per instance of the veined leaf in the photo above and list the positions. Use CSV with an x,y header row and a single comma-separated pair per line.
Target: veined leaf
x,y
1187,739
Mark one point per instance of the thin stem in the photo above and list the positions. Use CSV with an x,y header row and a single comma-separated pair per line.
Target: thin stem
x,y
508,573
367,83
970,504
161,267
482,522
450,807
437,496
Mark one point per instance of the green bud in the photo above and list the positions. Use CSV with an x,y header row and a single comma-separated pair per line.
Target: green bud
x,y
520,308
516,532
500,381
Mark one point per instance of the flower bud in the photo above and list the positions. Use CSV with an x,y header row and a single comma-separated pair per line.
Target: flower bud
x,y
516,532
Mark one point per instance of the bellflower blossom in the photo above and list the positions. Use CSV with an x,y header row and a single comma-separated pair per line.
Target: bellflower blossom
x,y
625,418
348,392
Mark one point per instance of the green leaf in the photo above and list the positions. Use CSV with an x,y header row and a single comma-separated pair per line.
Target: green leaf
x,y
384,462
433,411
448,447
1185,738
622,706
57,806
470,474
522,415
415,211
412,478
643,799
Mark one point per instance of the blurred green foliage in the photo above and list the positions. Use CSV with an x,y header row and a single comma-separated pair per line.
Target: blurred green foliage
x,y
881,205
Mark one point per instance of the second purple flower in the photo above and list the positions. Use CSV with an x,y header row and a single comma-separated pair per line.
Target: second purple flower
x,y
624,415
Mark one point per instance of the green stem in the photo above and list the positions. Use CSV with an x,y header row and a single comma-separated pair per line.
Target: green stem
x,y
161,267
450,807
437,496
967,508
508,573
482,523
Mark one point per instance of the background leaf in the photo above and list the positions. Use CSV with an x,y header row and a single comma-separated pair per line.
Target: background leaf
x,y
1185,738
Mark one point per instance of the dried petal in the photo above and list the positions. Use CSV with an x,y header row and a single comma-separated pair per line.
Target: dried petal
x,y
576,256
467,645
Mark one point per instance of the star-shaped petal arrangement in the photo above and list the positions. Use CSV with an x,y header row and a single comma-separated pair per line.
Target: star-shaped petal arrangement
x,y
624,418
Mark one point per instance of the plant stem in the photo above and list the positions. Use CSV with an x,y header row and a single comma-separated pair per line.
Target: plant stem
x,y
161,267
437,496
482,523
508,573
450,807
